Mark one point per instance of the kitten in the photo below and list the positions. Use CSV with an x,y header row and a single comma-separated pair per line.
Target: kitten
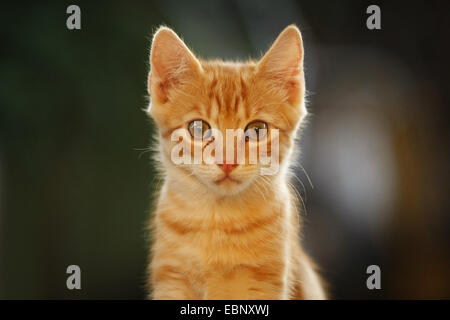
x,y
223,230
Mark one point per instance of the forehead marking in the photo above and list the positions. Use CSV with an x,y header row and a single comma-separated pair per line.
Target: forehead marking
x,y
227,93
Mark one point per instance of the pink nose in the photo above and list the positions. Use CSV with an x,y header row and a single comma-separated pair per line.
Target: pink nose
x,y
226,167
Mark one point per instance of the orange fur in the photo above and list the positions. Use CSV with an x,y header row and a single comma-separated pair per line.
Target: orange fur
x,y
238,239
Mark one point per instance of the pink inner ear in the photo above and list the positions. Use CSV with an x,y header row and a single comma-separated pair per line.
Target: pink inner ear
x,y
171,63
285,56
283,63
157,89
294,92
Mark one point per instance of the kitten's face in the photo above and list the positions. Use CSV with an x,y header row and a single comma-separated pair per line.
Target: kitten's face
x,y
193,96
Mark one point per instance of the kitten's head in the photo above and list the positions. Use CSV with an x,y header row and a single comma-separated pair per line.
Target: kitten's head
x,y
190,96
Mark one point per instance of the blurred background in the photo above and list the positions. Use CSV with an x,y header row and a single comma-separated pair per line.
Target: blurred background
x,y
76,184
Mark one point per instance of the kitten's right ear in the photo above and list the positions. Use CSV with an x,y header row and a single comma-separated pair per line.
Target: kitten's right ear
x,y
283,63
171,63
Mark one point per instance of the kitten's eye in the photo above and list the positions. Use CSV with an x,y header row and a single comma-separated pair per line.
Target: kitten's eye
x,y
199,129
256,130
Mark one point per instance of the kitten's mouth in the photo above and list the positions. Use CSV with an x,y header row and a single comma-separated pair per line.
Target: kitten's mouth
x,y
226,178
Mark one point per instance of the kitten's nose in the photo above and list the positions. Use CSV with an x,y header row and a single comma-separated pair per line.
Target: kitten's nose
x,y
226,167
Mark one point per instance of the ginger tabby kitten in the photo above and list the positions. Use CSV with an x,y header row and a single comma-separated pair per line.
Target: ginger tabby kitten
x,y
223,230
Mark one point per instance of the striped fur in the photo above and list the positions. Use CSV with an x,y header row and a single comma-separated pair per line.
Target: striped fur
x,y
238,239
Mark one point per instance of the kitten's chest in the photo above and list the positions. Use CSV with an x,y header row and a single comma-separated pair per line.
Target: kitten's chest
x,y
234,235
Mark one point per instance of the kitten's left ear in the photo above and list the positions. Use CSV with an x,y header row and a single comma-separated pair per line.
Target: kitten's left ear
x,y
283,63
171,62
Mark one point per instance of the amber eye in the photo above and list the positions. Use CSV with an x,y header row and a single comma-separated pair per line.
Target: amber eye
x,y
256,130
199,129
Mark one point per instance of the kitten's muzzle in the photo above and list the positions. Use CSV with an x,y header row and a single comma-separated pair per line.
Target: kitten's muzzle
x,y
227,167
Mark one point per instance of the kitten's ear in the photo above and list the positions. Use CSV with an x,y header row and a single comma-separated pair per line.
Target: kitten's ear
x,y
171,63
283,62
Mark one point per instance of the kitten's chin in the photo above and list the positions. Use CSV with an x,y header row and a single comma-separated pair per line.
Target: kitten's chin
x,y
226,186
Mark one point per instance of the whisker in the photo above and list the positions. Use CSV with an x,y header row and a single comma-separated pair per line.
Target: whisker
x,y
302,184
298,195
257,185
144,150
306,174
